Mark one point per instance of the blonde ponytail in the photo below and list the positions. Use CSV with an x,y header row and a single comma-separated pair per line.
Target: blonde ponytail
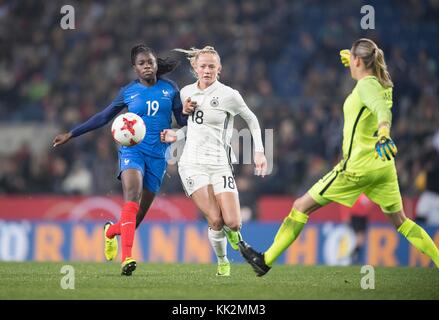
x,y
193,53
380,69
373,58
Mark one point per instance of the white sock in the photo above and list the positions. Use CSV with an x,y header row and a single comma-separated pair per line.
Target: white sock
x,y
218,241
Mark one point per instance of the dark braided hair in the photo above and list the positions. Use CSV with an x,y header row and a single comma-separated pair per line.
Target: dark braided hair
x,y
164,65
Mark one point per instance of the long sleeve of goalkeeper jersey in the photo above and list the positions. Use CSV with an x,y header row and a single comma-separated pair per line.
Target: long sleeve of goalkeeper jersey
x,y
376,98
102,118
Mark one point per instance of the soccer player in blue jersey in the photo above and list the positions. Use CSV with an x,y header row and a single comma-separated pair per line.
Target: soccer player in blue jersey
x,y
142,166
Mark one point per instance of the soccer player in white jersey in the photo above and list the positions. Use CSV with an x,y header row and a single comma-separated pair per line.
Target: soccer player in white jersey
x,y
205,166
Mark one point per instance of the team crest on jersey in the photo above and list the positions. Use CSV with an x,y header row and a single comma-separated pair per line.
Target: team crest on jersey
x,y
190,183
214,102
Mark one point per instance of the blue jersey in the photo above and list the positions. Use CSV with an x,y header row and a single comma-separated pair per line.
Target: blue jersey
x,y
154,104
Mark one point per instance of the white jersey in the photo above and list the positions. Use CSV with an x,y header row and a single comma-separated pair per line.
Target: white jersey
x,y
210,127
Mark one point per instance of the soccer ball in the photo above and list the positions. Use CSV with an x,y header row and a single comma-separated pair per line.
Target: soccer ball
x,y
128,129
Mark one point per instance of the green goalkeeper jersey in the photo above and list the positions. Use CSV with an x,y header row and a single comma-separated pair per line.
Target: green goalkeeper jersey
x,y
367,105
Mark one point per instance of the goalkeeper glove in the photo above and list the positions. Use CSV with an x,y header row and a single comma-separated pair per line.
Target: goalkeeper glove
x,y
385,147
345,56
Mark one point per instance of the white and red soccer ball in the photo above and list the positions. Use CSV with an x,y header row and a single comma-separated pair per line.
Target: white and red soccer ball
x,y
128,129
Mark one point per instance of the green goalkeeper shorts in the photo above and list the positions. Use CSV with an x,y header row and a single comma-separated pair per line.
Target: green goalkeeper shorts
x,y
380,186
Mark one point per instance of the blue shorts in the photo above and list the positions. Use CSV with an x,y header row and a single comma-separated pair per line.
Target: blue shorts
x,y
152,169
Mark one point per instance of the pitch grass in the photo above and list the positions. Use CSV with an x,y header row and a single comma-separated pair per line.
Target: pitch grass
x,y
31,280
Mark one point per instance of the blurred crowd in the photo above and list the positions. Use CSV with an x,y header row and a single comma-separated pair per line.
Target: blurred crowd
x,y
282,56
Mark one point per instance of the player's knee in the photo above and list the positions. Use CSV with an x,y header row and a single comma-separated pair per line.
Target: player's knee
x,y
216,224
215,220
299,205
133,195
305,205
397,218
233,225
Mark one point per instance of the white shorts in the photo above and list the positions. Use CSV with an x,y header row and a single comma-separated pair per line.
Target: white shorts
x,y
194,177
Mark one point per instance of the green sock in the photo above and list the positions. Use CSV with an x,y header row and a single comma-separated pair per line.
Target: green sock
x,y
417,236
287,233
233,236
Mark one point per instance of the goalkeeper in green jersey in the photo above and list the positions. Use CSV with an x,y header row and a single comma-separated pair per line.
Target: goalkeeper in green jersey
x,y
368,161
